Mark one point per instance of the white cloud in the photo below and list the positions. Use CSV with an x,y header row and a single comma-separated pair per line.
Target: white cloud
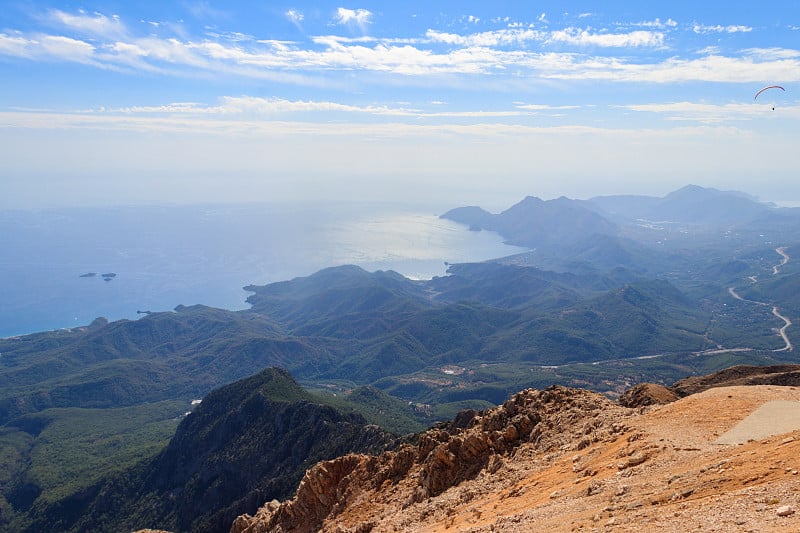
x,y
15,46
700,112
488,39
360,17
545,107
97,24
674,70
336,41
703,29
498,55
472,54
709,51
295,16
657,24
48,47
243,106
772,54
231,36
252,104
580,37
244,116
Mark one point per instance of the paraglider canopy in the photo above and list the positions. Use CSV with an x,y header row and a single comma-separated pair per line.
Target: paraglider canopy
x,y
768,87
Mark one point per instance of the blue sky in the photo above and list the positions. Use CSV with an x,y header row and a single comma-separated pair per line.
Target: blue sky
x,y
446,103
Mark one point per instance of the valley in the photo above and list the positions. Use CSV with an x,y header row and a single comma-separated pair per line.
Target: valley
x,y
600,302
775,311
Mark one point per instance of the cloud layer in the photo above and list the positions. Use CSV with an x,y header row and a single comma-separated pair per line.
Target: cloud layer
x,y
533,50
385,98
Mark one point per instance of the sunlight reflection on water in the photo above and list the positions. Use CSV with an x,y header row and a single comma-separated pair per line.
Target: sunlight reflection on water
x,y
415,245
167,256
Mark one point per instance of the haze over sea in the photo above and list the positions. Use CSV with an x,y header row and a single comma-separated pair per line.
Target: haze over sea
x,y
185,255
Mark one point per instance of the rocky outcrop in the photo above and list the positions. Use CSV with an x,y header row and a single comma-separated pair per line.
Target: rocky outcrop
x,y
557,418
783,375
584,464
646,394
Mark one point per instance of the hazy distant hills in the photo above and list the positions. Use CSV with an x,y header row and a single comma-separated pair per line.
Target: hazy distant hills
x,y
643,235
534,222
690,204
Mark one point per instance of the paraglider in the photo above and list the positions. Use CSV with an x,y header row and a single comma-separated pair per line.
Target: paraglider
x,y
768,87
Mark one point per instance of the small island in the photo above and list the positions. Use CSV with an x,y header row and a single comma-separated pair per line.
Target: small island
x,y
89,275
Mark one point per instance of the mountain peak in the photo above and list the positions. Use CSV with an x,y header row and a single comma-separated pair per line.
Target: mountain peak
x,y
689,191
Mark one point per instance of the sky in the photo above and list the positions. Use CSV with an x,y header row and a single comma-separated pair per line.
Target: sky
x,y
438,102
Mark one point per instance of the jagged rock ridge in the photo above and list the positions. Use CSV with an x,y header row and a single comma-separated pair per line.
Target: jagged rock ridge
x,y
553,419
570,460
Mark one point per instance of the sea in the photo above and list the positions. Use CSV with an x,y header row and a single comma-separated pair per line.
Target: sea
x,y
62,268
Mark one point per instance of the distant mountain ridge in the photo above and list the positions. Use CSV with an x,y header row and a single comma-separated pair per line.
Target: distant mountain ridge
x,y
690,204
630,232
534,222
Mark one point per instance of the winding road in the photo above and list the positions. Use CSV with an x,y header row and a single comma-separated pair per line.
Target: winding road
x,y
786,322
781,250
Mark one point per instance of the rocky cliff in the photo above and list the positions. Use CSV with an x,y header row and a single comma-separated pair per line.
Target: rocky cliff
x,y
531,423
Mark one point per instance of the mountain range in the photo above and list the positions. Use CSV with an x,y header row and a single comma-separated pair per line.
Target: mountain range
x,y
613,291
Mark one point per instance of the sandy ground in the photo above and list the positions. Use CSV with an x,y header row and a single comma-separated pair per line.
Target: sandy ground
x,y
772,418
723,460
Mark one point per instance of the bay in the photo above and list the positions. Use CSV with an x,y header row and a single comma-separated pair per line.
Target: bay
x,y
56,265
